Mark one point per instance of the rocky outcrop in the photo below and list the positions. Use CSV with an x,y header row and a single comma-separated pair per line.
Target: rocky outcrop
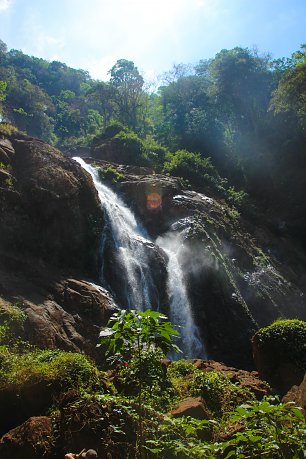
x,y
236,283
49,206
71,318
246,379
51,219
280,354
61,312
50,229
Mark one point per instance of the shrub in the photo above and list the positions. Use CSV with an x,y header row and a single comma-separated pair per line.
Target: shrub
x,y
132,148
110,175
66,369
113,129
181,368
237,198
288,338
190,166
12,319
219,393
141,338
8,129
268,429
155,153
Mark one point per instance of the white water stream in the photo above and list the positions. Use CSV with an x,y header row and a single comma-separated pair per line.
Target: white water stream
x,y
180,311
131,246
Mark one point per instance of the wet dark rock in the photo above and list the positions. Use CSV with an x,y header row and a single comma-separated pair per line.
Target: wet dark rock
x,y
115,277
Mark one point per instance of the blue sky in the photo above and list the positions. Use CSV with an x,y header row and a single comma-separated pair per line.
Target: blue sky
x,y
155,34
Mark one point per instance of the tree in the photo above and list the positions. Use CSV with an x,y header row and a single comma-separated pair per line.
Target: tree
x,y
2,94
140,338
29,107
290,95
128,85
3,47
101,96
241,84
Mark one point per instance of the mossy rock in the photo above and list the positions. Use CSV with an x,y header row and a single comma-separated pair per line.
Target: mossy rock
x,y
30,381
280,353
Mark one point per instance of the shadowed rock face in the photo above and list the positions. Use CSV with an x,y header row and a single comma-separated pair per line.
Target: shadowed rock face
x,y
297,394
49,207
50,227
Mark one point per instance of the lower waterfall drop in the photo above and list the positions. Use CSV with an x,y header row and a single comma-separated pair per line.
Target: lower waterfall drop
x,y
180,311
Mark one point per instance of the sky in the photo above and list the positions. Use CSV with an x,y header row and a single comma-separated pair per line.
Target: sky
x,y
154,34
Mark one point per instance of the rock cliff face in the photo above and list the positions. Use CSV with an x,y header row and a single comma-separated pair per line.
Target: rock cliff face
x,y
49,207
50,229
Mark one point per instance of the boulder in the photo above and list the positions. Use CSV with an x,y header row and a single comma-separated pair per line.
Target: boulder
x,y
297,394
194,407
280,354
31,440
31,399
65,313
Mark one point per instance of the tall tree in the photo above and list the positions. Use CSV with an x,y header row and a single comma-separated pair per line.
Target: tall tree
x,y
290,95
2,94
128,84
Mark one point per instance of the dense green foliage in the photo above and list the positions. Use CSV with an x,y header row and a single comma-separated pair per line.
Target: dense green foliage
x,y
129,406
110,175
32,365
288,338
244,111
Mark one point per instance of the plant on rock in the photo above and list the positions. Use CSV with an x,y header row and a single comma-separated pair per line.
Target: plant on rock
x,y
139,340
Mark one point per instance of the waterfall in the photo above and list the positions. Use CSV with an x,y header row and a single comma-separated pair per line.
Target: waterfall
x,y
180,311
130,250
131,247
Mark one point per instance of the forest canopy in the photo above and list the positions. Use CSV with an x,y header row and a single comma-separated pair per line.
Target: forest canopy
x,y
244,111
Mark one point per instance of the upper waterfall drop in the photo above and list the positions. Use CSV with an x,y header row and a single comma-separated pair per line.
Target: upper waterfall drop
x,y
131,247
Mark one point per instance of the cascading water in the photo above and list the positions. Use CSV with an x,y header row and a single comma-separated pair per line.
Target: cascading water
x,y
131,252
131,247
180,312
